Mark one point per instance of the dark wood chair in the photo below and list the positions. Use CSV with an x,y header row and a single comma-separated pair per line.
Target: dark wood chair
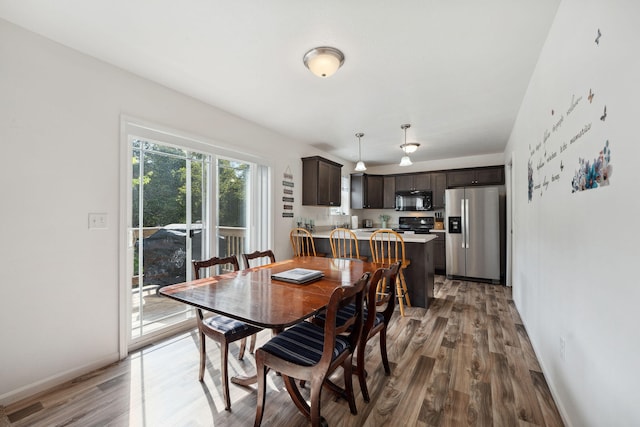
x,y
221,329
310,352
378,308
258,255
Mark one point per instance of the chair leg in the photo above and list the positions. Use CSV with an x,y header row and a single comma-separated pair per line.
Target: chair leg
x,y
404,288
361,372
348,385
399,296
314,410
252,347
203,355
383,351
224,355
243,345
262,374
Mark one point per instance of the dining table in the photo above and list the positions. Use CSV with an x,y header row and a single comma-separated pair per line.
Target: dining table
x,y
254,297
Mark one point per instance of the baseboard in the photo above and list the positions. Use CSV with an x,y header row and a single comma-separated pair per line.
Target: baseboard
x,y
56,380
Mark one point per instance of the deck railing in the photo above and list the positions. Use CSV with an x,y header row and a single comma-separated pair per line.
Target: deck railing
x,y
231,240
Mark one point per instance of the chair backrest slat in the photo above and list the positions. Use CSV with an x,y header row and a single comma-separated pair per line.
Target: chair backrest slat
x,y
302,242
387,246
344,243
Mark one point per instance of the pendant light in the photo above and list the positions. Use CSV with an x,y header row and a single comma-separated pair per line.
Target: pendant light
x,y
360,165
407,148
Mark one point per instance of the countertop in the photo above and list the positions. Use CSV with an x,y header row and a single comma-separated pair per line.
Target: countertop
x,y
365,235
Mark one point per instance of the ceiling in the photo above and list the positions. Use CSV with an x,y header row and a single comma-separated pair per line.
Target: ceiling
x,y
456,70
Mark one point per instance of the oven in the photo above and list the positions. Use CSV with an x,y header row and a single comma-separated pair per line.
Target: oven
x,y
416,224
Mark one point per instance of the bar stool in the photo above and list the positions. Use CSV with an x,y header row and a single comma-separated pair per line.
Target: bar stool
x,y
387,246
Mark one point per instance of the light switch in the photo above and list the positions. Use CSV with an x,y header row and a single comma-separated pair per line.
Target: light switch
x,y
97,221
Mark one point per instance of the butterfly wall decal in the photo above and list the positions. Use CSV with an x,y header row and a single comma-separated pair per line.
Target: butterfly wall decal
x,y
591,95
604,115
598,38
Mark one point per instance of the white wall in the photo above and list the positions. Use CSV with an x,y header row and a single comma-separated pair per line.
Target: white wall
x,y
576,254
60,147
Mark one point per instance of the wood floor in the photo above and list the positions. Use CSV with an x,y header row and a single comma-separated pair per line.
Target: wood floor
x,y
467,360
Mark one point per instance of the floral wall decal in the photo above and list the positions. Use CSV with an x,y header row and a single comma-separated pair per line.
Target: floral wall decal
x,y
594,174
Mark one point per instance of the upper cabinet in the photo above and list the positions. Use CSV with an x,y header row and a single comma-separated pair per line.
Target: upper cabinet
x,y
320,182
493,175
438,186
389,192
411,182
366,191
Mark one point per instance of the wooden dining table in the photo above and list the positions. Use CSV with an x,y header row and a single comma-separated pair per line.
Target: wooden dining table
x,y
252,296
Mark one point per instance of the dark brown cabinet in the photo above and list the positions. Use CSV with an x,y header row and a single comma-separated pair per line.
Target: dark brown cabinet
x,y
493,175
410,182
366,191
439,254
438,186
389,192
320,182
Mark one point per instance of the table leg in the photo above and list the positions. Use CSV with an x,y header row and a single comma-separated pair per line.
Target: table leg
x,y
245,380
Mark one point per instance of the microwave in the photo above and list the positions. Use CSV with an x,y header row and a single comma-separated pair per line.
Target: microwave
x,y
414,201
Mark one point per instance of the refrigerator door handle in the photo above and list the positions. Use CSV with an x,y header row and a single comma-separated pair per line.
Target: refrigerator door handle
x,y
466,223
462,217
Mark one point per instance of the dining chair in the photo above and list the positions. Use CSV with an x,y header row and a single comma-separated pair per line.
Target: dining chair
x,y
302,242
221,329
344,244
259,255
378,309
311,353
387,246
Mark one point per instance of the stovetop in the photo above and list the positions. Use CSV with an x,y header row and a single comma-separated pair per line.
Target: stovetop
x,y
417,224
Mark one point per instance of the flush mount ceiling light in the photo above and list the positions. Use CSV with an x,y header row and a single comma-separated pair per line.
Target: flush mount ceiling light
x,y
323,61
408,148
360,165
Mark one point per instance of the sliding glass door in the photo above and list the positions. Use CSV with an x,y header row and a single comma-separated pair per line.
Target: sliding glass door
x,y
185,200
169,211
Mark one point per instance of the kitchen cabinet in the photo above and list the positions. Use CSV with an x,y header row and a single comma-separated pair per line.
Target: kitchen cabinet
x,y
320,182
416,181
439,254
389,192
438,187
366,191
493,175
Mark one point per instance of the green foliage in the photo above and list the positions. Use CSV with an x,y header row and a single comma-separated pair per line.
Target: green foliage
x,y
164,185
232,181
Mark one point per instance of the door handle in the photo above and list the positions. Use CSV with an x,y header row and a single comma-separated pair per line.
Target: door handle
x,y
462,216
466,223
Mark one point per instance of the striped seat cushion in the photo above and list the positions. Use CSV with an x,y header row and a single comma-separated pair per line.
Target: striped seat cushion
x,y
302,344
227,325
347,312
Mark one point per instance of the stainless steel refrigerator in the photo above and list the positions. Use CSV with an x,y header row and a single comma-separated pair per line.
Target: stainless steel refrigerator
x,y
473,232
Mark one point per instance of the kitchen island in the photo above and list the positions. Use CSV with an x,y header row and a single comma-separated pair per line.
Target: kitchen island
x,y
419,249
